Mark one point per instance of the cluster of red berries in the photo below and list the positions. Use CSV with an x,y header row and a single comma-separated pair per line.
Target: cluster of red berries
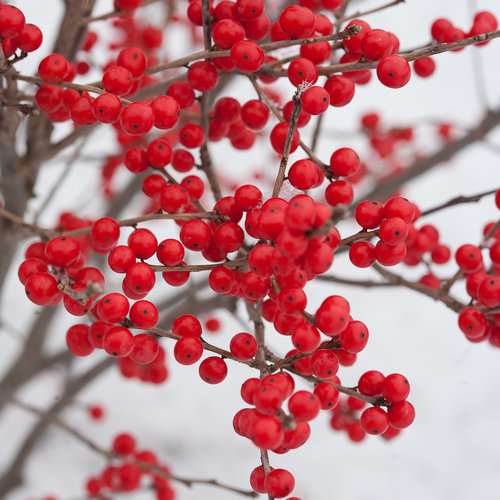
x,y
15,33
443,30
283,244
374,420
482,286
137,467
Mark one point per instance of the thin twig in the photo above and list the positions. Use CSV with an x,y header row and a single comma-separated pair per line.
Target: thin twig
x,y
459,200
292,125
108,15
158,471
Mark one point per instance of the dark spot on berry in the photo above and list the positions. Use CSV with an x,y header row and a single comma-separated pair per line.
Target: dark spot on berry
x,y
391,75
106,301
135,126
396,233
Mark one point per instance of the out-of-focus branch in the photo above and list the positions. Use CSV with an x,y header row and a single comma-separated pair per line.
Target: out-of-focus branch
x,y
490,121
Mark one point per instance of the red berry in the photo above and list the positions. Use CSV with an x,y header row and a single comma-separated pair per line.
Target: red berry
x,y
393,71
396,388
118,342
424,67
279,483
247,56
297,21
145,349
374,420
188,350
77,340
137,118
401,415
11,21
213,370
243,346
117,80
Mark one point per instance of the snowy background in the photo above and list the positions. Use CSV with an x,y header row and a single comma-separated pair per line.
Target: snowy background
x,y
453,448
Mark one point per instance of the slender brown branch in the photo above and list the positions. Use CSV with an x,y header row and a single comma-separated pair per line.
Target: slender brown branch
x,y
362,283
439,295
358,14
79,436
410,56
103,17
207,346
268,46
361,235
459,200
277,113
490,121
292,125
67,85
44,232
200,267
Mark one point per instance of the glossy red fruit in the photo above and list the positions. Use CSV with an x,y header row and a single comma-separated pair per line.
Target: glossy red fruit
x,y
137,118
77,340
374,420
213,370
247,56
396,388
145,349
401,415
53,68
297,21
393,71
11,21
118,342
279,483
41,288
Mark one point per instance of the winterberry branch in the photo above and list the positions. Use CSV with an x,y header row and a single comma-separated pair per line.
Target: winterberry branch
x,y
376,401
206,345
381,190
154,469
361,235
132,222
361,283
116,12
32,228
292,125
200,267
283,363
446,287
459,200
266,47
440,295
277,113
68,85
411,56
364,13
